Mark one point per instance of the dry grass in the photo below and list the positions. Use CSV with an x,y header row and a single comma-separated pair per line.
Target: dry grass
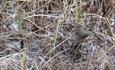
x,y
57,35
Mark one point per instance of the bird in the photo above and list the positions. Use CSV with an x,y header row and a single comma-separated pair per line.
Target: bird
x,y
81,33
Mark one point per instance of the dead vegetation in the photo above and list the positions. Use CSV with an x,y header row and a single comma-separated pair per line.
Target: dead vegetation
x,y
57,35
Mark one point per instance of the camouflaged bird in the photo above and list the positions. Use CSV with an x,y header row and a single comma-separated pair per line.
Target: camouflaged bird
x,y
81,33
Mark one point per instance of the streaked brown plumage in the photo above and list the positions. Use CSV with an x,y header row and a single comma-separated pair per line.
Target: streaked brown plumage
x,y
81,33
